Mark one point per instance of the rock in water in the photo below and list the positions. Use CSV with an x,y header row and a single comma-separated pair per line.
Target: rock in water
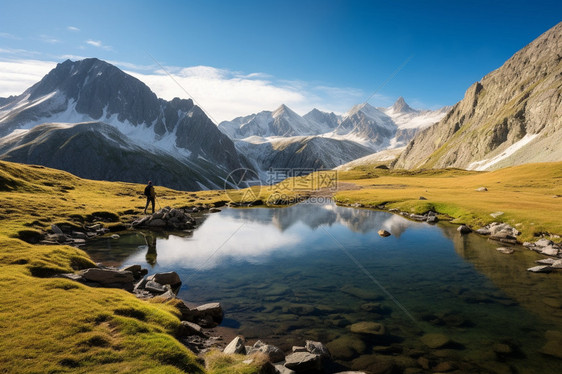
x,y
540,269
435,340
317,348
368,328
172,278
505,250
383,233
464,229
304,362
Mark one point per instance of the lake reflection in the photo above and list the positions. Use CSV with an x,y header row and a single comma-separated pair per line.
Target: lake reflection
x,y
283,277
260,235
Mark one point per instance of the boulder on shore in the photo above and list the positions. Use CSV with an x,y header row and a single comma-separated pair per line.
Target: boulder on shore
x,y
236,346
107,276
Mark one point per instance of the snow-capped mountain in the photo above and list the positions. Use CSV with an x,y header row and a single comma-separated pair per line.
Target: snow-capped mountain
x,y
95,92
410,121
281,122
284,139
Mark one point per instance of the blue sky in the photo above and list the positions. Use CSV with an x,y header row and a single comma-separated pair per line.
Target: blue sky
x,y
238,57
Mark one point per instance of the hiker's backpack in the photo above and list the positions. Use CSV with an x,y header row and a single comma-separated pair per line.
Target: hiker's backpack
x,y
147,191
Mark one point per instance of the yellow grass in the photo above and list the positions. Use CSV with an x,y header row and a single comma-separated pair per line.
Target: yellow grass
x,y
526,194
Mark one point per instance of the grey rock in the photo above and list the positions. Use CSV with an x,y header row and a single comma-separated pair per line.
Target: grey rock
x,y
481,189
172,278
79,235
464,229
304,362
189,329
236,346
546,261
157,223
56,229
135,269
317,348
273,353
557,264
422,198
155,287
72,276
297,348
505,250
212,314
550,251
540,269
432,219
543,242
483,231
106,276
140,284
418,217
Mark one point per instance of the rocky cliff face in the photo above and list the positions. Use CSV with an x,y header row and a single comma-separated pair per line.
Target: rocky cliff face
x,y
512,116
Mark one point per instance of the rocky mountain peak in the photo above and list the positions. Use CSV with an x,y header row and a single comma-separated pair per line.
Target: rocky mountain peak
x,y
400,106
283,110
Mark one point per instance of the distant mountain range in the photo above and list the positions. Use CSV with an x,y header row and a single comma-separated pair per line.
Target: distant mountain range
x,y
284,139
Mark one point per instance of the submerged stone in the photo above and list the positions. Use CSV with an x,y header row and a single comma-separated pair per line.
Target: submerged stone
x,y
368,328
435,340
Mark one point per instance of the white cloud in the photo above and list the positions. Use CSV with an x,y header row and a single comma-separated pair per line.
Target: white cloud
x,y
48,39
7,35
18,75
98,44
226,94
72,28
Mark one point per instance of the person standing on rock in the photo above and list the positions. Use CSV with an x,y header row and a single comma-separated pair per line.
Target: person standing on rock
x,y
150,196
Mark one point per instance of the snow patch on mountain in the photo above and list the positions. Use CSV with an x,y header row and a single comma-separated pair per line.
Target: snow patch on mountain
x,y
488,163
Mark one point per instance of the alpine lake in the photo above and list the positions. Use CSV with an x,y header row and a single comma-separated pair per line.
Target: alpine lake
x,y
311,271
